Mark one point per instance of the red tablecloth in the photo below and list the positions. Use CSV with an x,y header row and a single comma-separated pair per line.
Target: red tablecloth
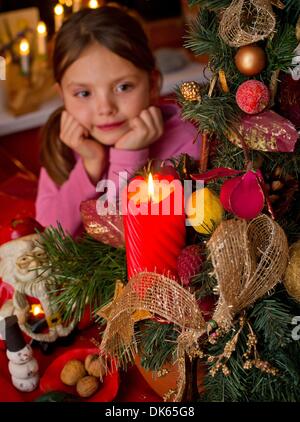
x,y
133,387
17,201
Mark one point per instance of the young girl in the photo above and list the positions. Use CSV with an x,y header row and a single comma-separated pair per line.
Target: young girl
x,y
106,75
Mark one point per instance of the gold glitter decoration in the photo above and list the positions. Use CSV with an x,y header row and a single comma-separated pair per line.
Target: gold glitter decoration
x,y
223,81
247,21
292,275
220,361
249,259
191,91
169,394
162,373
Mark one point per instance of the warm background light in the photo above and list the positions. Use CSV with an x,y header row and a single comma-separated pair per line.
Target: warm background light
x,y
41,28
58,10
93,4
24,47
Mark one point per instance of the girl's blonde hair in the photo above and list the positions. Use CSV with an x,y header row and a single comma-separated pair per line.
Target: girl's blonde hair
x,y
114,29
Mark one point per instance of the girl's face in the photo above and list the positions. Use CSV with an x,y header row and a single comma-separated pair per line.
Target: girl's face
x,y
104,91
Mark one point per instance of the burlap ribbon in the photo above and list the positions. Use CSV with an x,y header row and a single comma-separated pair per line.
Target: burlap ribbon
x,y
249,259
247,21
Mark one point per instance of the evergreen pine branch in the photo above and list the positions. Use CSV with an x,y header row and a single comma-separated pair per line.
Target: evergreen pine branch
x,y
202,37
157,343
84,272
204,282
280,49
292,10
216,114
272,320
229,155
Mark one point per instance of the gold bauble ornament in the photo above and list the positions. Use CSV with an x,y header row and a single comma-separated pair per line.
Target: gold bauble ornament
x,y
204,210
191,91
292,274
250,60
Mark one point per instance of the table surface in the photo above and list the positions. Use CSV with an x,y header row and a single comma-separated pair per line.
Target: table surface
x,y
133,387
9,124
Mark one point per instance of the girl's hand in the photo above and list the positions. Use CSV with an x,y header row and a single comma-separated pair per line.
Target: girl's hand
x,y
75,136
144,130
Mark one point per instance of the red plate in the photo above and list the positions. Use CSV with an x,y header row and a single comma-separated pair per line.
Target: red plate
x,y
50,381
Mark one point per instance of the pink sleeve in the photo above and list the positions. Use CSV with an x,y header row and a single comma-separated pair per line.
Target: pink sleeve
x,y
122,166
61,204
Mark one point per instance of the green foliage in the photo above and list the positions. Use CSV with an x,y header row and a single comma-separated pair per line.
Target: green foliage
x,y
292,10
280,49
217,114
84,271
157,343
270,319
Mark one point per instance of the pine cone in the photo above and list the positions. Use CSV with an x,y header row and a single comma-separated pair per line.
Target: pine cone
x,y
281,188
189,263
191,91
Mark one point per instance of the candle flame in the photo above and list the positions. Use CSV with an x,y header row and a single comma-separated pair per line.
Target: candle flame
x,y
58,9
36,310
41,28
24,47
150,187
93,4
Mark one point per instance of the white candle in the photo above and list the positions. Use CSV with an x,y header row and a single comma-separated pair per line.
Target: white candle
x,y
76,5
58,16
24,50
41,39
93,4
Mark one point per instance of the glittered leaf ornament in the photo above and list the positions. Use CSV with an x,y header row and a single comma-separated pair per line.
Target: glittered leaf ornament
x,y
266,131
243,196
107,229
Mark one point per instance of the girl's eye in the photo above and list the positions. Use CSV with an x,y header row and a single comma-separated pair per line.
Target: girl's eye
x,y
82,94
124,87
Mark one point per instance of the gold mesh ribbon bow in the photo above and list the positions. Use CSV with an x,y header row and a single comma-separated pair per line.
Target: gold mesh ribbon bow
x,y
248,258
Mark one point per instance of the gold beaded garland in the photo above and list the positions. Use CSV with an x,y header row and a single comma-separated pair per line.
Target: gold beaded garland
x,y
191,91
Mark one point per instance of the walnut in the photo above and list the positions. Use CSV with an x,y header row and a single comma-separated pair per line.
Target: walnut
x,y
72,372
87,386
94,366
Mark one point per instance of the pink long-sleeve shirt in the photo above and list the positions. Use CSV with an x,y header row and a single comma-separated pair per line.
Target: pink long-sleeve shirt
x,y
62,203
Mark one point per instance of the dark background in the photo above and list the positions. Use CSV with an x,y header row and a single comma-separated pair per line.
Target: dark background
x,y
149,9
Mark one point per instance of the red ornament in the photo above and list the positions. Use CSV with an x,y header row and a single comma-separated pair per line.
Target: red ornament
x,y
19,228
207,306
252,96
243,195
189,263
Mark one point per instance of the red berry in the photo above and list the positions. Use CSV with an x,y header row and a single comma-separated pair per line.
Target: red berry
x,y
189,263
207,306
252,96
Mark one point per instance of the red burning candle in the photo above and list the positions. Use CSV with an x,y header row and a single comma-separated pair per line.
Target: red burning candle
x,y
154,224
